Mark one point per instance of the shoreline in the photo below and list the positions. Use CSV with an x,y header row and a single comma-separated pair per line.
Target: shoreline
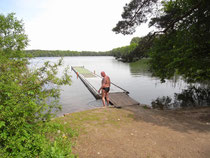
x,y
110,106
140,132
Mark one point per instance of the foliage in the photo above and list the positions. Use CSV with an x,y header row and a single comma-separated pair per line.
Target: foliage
x,y
185,48
138,49
124,53
135,40
181,43
191,97
27,97
57,140
59,53
143,48
162,103
12,36
135,13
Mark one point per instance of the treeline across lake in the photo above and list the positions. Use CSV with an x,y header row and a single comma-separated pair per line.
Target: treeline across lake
x,y
58,53
128,53
132,52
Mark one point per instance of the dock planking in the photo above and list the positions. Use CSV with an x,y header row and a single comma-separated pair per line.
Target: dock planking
x,y
118,96
121,99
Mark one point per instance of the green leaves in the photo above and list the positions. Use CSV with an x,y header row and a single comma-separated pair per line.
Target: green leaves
x,y
27,97
135,13
181,42
124,52
2,124
12,36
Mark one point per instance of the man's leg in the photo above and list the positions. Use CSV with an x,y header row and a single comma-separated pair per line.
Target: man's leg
x,y
103,97
107,98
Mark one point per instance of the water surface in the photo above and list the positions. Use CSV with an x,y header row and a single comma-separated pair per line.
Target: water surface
x,y
133,77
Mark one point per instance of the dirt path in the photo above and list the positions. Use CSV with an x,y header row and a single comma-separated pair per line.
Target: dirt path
x,y
136,132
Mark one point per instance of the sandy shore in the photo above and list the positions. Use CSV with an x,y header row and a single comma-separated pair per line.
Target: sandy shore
x,y
136,132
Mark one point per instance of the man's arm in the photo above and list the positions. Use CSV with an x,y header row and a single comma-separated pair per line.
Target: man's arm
x,y
102,84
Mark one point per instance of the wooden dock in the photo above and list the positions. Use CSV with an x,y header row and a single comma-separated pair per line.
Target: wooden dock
x,y
118,96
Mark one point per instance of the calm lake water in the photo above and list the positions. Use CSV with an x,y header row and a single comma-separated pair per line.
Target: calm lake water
x,y
142,86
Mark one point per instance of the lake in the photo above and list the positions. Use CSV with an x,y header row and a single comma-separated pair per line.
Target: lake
x,y
132,77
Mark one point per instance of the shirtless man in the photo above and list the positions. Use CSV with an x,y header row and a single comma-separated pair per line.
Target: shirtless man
x,y
105,87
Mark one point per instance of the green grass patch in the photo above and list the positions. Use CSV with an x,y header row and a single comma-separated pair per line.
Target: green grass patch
x,y
90,119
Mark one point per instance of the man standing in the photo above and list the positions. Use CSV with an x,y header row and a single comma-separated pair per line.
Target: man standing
x,y
105,87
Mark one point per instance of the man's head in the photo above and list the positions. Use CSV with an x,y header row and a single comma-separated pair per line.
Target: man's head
x,y
103,74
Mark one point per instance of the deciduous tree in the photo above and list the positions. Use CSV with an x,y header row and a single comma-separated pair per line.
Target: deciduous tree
x,y
181,42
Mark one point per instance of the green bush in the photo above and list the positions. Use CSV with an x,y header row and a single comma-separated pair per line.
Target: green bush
x,y
27,98
60,144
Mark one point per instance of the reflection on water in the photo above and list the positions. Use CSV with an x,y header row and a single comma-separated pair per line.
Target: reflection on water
x,y
140,68
133,77
193,96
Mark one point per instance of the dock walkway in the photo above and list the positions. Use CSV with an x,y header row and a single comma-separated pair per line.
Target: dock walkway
x,y
118,96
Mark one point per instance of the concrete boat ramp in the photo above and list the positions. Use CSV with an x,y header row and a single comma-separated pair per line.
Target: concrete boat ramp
x,y
118,96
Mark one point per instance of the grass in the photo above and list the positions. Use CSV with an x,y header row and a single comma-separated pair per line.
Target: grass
x,y
64,131
87,120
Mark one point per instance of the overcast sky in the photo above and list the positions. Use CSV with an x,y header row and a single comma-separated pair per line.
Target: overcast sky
x,y
81,25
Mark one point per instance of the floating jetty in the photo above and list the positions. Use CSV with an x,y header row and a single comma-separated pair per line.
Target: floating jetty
x,y
118,96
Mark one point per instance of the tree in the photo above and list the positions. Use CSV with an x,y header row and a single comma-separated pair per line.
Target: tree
x,y
12,36
181,43
135,13
184,47
124,53
27,97
135,40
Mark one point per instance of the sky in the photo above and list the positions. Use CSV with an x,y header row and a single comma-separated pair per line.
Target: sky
x,y
79,25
